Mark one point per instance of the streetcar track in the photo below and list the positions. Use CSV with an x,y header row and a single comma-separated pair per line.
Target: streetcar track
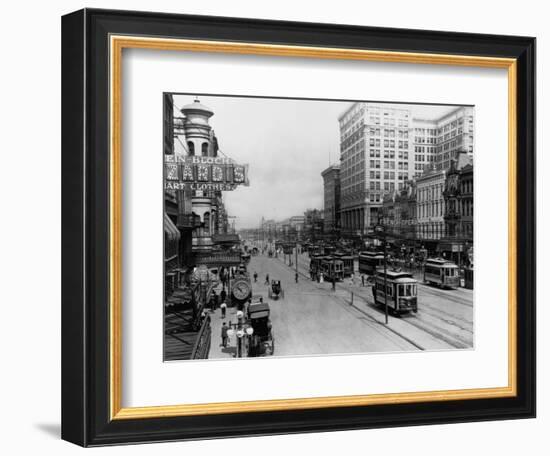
x,y
346,306
436,332
418,322
449,317
441,294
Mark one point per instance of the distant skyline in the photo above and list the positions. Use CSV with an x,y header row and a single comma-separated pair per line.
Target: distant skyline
x,y
287,144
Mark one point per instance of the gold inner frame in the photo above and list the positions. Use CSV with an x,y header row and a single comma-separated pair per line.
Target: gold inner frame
x,y
117,44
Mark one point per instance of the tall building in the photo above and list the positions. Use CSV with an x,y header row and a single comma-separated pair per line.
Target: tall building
x,y
331,185
376,158
441,140
196,138
382,146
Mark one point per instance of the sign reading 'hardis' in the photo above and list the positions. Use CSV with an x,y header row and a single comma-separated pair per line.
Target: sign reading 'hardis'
x,y
203,173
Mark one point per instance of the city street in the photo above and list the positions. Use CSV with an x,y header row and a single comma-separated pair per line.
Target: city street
x,y
312,319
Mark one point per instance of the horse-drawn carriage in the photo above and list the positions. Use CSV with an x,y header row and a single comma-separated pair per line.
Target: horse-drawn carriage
x,y
275,290
261,342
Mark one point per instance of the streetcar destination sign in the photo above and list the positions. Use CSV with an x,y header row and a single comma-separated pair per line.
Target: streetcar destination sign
x,y
203,173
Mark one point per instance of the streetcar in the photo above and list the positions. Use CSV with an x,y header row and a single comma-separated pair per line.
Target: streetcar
x,y
441,272
369,261
400,291
348,262
332,269
315,265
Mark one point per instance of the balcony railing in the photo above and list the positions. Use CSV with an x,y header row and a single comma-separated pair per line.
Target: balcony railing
x,y
204,338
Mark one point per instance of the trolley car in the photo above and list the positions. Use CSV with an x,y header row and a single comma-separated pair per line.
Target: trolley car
x,y
400,291
348,263
369,261
332,269
441,272
315,265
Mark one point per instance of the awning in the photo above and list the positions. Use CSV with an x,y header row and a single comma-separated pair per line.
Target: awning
x,y
170,229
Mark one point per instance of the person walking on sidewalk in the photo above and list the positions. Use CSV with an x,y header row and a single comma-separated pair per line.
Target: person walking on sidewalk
x,y
223,307
224,335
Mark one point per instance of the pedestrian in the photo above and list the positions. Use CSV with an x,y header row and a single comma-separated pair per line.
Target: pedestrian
x,y
296,277
363,280
255,276
223,308
267,279
224,335
223,295
321,279
214,301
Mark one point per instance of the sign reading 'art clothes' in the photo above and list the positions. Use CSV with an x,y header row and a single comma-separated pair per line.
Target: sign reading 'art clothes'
x,y
203,173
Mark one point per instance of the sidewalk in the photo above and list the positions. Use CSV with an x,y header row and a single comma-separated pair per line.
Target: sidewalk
x,y
217,351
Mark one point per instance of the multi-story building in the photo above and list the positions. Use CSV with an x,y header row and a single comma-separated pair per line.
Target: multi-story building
x,y
425,144
430,206
440,140
459,208
331,185
376,158
195,137
383,146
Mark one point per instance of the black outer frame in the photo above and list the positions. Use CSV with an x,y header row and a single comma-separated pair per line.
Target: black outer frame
x,y
85,227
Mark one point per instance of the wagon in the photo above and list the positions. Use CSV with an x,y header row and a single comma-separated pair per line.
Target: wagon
x,y
275,290
261,342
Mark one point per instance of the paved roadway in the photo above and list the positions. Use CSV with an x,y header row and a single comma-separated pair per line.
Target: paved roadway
x,y
314,320
444,319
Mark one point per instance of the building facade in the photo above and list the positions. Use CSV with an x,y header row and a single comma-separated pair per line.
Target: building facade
x,y
194,137
430,204
441,140
375,158
399,212
459,209
384,146
331,186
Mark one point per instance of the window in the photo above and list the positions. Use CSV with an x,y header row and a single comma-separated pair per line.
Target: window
x,y
191,148
204,149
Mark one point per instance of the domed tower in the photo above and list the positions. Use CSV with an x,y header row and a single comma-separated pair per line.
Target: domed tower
x,y
201,141
198,132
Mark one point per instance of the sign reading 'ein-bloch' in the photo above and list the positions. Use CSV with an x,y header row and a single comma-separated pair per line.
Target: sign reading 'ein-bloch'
x,y
203,173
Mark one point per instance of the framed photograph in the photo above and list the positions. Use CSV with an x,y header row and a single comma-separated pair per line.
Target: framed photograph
x,y
272,227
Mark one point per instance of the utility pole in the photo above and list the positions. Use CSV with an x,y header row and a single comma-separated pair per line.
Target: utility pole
x,y
296,257
385,278
333,273
381,229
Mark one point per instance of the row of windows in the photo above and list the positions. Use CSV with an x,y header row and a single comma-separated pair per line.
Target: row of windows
x,y
433,209
402,155
389,133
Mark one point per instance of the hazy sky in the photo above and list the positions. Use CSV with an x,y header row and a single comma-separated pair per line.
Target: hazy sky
x,y
287,144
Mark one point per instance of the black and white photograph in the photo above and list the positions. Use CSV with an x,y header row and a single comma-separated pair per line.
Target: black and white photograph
x,y
307,227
